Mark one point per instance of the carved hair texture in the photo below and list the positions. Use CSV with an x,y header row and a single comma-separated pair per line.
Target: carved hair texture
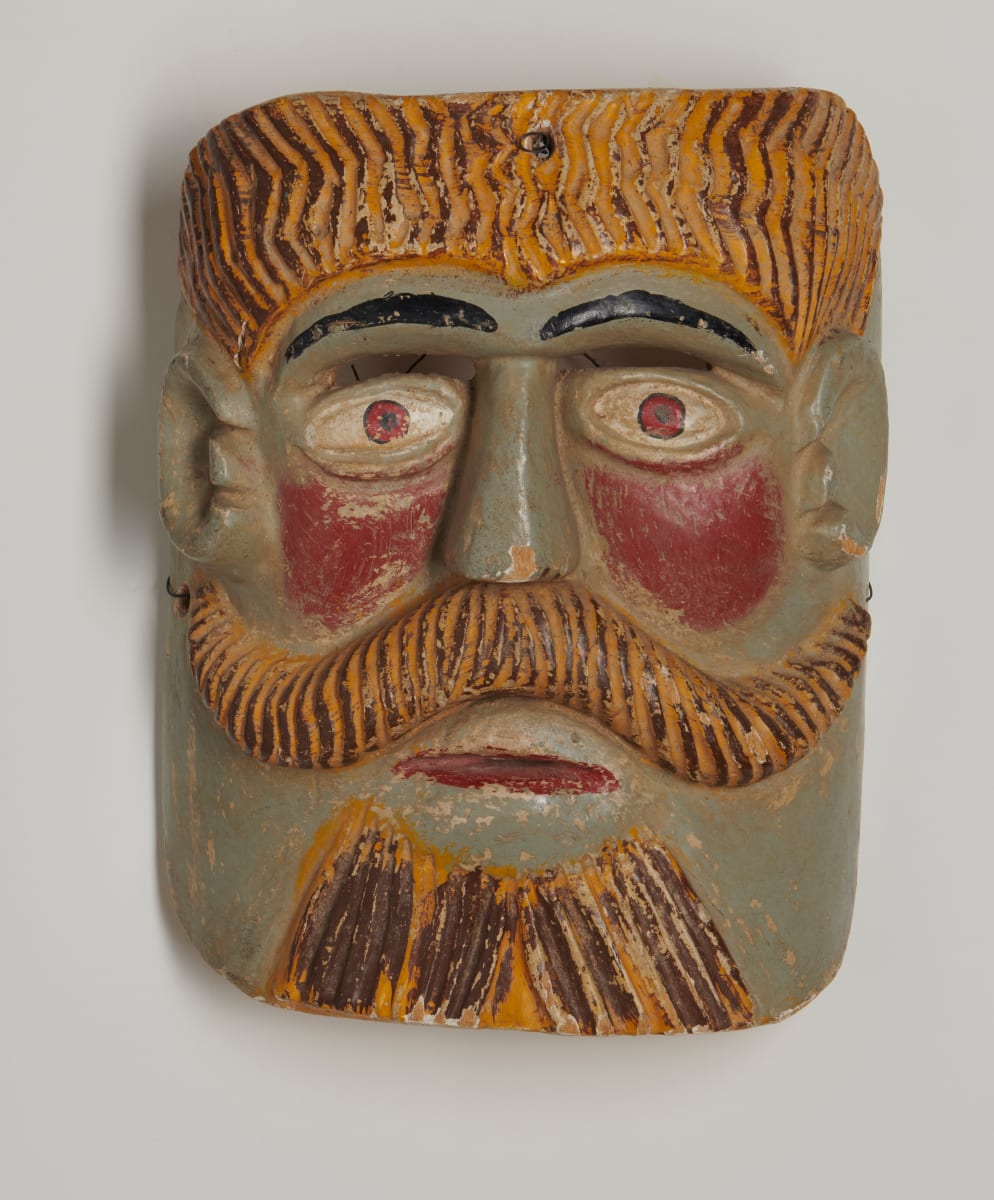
x,y
615,943
771,191
551,642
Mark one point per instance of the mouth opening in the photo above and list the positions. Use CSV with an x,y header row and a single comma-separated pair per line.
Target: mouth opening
x,y
539,774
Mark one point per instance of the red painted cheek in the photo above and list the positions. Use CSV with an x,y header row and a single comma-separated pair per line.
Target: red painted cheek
x,y
348,549
708,543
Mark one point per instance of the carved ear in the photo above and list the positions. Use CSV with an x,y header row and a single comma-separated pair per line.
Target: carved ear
x,y
839,404
209,461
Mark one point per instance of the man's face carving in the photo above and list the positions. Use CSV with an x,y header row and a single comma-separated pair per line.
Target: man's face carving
x,y
510,574
622,449
618,440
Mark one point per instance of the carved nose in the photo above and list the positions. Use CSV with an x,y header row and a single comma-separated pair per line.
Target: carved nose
x,y
511,518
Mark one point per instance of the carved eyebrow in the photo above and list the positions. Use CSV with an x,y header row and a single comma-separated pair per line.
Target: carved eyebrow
x,y
645,305
397,308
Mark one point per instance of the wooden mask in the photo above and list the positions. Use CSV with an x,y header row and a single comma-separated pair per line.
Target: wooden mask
x,y
521,453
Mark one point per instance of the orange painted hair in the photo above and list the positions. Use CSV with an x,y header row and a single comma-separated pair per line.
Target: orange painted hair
x,y
773,192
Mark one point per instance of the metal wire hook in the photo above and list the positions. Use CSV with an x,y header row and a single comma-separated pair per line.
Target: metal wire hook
x,y
181,595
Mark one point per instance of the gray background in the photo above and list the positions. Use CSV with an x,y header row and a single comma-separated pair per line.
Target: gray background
x,y
130,1069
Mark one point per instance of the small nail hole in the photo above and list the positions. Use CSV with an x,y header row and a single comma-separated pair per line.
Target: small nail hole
x,y
538,142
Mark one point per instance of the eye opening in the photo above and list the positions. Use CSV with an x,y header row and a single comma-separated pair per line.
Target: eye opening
x,y
371,366
635,357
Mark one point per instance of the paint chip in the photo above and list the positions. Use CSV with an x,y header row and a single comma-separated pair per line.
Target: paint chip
x,y
522,564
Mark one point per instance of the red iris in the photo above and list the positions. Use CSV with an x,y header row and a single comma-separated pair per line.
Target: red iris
x,y
385,420
661,416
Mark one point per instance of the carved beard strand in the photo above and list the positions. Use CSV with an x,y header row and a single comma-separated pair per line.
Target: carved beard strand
x,y
615,943
552,642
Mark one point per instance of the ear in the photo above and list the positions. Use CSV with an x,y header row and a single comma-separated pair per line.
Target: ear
x,y
839,406
210,468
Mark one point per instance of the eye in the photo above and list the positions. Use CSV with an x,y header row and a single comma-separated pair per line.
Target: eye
x,y
662,416
385,421
651,418
390,425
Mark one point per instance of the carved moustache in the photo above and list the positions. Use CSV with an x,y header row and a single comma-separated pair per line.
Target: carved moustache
x,y
615,943
552,642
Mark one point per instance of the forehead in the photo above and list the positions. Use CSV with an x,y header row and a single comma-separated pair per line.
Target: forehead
x,y
460,311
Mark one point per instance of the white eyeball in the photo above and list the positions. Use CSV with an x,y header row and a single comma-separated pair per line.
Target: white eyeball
x,y
390,425
652,416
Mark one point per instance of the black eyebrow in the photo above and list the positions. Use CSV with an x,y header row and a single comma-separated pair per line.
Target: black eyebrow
x,y
645,305
397,308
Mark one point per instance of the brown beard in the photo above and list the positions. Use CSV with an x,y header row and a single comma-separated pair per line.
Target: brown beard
x,y
553,642
615,943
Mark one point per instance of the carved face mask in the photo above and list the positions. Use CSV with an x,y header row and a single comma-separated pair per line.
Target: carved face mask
x,y
521,454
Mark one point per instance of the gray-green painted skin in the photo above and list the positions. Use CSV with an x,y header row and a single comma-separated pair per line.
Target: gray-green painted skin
x,y
775,862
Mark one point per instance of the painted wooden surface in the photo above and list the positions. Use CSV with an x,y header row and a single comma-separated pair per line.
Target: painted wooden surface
x,y
521,454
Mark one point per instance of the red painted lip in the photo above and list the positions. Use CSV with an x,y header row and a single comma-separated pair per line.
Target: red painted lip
x,y
540,774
